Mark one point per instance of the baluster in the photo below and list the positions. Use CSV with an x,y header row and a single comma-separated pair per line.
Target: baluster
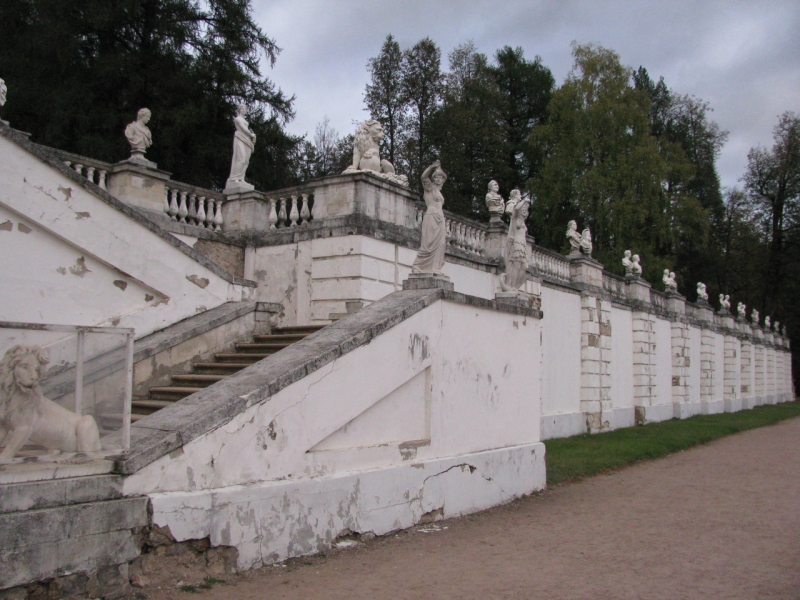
x,y
182,210
218,216
90,174
282,214
462,230
210,214
472,242
68,163
482,243
102,182
165,207
192,220
448,231
201,211
273,214
314,208
294,214
304,212
78,168
173,205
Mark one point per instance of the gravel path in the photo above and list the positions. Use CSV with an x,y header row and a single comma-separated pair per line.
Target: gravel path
x,y
718,521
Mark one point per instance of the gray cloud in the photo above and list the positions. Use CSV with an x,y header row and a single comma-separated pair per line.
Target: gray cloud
x,y
741,57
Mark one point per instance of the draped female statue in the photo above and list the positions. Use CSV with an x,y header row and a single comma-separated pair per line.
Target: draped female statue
x,y
430,258
244,141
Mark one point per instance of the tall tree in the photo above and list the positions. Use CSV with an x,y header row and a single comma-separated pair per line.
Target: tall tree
x,y
603,168
525,88
773,182
80,71
422,86
466,131
386,96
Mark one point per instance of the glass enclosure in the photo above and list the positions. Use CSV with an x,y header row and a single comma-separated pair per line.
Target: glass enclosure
x,y
65,393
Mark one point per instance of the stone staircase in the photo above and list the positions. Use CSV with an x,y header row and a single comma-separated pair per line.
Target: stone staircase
x,y
205,374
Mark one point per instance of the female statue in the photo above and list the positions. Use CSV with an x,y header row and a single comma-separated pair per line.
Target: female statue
x,y
516,250
244,141
430,258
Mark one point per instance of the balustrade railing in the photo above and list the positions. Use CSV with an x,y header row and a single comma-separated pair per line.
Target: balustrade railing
x,y
465,234
614,285
550,264
194,206
290,208
658,299
95,171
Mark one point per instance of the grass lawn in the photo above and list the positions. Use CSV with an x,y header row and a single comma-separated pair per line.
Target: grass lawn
x,y
571,459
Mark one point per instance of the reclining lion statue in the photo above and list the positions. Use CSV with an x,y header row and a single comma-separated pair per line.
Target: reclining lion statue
x,y
27,416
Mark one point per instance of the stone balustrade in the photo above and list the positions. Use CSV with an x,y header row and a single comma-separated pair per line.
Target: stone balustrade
x,y
550,265
95,171
290,208
193,206
465,234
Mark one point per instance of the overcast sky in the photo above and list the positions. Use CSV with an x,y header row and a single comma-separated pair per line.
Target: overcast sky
x,y
742,57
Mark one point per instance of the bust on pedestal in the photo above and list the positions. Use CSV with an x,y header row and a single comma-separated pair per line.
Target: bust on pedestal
x,y
140,138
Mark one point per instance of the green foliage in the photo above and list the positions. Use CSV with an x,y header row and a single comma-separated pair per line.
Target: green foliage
x,y
80,71
603,168
386,96
571,459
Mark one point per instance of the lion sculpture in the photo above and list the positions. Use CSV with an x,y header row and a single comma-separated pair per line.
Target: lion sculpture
x,y
27,416
366,153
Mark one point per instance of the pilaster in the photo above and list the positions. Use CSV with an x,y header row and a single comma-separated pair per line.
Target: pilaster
x,y
708,364
732,368
746,386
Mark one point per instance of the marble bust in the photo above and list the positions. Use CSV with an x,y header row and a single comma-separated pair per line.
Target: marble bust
x,y
636,267
754,316
574,238
670,282
139,136
741,309
3,92
702,294
494,201
724,303
586,242
366,153
627,263
767,322
27,416
244,141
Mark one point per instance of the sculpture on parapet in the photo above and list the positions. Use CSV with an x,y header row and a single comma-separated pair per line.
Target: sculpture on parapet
x,y
430,257
776,326
702,294
724,303
516,249
767,323
27,416
495,202
636,267
3,92
627,263
139,136
244,142
741,309
580,243
754,316
670,282
366,153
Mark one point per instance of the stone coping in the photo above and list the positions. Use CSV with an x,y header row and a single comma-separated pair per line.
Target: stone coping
x,y
52,158
174,426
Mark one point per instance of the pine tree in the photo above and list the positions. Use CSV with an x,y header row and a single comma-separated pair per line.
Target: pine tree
x,y
385,96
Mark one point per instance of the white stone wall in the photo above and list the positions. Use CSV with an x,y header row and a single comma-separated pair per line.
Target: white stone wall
x,y
71,258
450,426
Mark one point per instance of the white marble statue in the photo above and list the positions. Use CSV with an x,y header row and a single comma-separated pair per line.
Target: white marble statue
x,y
27,416
767,323
741,309
754,316
366,153
574,238
702,294
3,92
777,327
724,303
513,199
636,267
670,282
627,262
586,242
495,202
516,249
139,135
244,142
430,258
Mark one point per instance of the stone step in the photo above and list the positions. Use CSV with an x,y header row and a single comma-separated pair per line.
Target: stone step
x,y
172,392
280,337
262,348
196,379
56,492
148,407
305,329
240,357
219,368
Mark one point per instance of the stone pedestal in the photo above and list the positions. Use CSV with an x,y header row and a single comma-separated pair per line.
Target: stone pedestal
x,y
639,290
237,187
585,271
496,235
428,281
247,210
138,184
676,303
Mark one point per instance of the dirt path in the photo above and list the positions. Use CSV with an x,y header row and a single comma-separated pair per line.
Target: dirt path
x,y
718,521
